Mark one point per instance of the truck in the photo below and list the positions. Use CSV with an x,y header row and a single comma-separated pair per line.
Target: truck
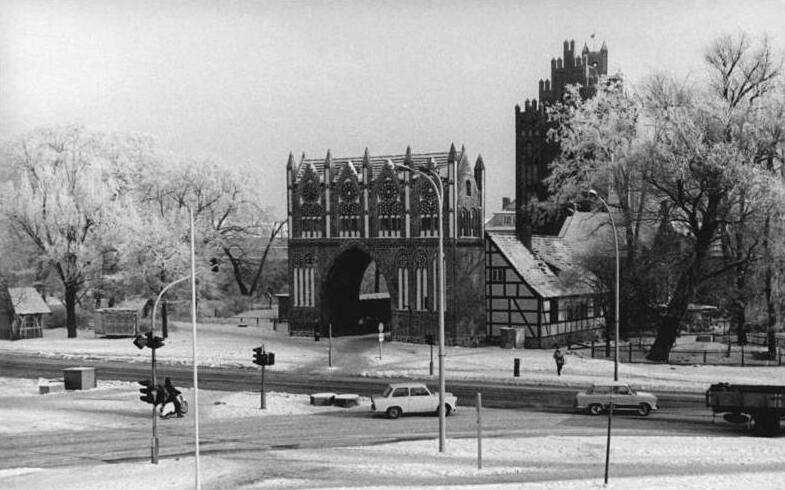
x,y
400,398
761,406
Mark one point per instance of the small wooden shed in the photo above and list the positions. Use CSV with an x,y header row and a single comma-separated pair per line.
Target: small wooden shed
x,y
129,318
22,313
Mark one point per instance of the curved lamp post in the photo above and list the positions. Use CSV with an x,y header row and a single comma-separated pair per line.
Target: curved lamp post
x,y
436,181
594,194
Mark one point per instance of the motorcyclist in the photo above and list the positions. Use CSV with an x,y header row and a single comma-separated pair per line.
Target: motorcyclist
x,y
172,394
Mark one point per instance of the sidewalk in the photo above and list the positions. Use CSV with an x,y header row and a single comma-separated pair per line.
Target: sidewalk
x,y
220,345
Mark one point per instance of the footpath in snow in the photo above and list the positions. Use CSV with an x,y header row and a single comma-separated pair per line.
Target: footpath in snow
x,y
229,345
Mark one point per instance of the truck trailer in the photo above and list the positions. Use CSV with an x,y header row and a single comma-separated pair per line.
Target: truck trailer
x,y
761,405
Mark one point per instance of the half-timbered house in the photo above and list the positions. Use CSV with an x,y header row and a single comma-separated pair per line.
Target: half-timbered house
x,y
538,288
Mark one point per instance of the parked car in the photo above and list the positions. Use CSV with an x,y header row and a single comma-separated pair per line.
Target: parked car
x,y
597,399
400,398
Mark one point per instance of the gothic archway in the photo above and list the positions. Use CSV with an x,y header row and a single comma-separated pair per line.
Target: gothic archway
x,y
352,305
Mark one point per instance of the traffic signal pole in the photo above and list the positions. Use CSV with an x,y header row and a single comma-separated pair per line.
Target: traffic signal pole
x,y
263,398
154,442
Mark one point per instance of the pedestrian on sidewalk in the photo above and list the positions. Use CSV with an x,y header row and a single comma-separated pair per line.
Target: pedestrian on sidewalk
x,y
558,356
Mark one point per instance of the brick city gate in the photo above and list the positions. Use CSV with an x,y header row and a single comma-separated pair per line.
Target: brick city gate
x,y
363,245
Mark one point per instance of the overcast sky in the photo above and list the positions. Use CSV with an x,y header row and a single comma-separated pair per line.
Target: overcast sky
x,y
246,82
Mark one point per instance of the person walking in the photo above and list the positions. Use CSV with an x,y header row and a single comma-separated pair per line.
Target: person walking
x,y
558,356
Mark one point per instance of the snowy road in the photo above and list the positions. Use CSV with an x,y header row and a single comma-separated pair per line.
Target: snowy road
x,y
113,426
496,395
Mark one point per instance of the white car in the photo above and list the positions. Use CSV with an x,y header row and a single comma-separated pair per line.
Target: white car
x,y
597,399
401,398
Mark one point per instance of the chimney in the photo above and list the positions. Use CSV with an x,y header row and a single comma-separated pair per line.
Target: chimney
x,y
505,203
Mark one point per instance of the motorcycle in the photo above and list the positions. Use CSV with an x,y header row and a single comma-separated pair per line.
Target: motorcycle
x,y
166,409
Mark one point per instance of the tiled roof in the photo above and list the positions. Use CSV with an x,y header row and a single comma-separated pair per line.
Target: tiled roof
x,y
501,220
131,304
377,162
27,301
542,269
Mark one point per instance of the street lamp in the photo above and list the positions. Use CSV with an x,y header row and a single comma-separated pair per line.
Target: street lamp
x,y
594,194
433,178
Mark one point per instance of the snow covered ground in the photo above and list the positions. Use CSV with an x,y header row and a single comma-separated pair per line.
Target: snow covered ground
x,y
229,345
676,462
681,462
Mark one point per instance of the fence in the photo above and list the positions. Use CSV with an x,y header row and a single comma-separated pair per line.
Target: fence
x,y
721,355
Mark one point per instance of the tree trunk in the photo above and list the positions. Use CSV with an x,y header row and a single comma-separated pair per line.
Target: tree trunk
x,y
273,234
687,284
771,312
609,312
738,319
164,321
237,272
70,309
668,329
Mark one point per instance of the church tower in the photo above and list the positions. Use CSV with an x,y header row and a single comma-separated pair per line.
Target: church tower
x,y
533,152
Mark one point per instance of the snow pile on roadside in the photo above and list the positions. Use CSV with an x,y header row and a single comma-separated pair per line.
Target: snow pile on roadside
x,y
246,404
115,404
670,463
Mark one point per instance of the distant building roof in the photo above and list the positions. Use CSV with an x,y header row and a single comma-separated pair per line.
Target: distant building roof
x,y
27,301
501,220
584,231
543,267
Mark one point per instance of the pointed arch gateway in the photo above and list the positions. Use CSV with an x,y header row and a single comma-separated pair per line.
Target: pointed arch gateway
x,y
355,294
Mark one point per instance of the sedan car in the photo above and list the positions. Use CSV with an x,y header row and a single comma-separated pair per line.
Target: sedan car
x,y
598,398
400,398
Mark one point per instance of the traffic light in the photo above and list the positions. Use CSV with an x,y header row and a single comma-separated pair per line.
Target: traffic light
x,y
140,341
147,340
270,358
258,356
149,394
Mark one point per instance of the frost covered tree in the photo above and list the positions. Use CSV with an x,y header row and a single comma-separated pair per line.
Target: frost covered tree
x,y
693,156
233,224
67,197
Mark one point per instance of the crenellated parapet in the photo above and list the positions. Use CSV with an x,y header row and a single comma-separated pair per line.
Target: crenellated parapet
x,y
533,150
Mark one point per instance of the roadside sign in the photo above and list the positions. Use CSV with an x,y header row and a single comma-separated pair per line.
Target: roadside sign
x,y
381,337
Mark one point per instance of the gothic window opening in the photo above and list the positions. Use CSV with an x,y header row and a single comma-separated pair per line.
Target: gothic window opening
x,y
311,220
311,212
469,188
429,210
402,264
304,282
389,210
349,210
423,299
463,223
475,222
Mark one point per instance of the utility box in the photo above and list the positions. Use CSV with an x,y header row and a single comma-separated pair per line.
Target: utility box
x,y
511,338
79,378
